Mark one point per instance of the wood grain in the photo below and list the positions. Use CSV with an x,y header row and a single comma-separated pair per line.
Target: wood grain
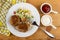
x,y
40,35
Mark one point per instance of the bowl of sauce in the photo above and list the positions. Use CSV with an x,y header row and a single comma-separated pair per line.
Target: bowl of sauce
x,y
46,8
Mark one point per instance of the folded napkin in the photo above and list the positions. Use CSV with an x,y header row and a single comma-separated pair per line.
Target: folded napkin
x,y
4,7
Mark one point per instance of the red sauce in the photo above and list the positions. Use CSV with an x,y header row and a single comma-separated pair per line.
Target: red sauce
x,y
14,12
46,8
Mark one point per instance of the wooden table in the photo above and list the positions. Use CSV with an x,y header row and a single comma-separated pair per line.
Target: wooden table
x,y
40,35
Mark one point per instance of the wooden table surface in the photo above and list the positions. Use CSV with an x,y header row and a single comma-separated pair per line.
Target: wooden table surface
x,y
40,35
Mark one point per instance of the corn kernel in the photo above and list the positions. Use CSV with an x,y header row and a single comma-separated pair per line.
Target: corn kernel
x,y
8,34
13,1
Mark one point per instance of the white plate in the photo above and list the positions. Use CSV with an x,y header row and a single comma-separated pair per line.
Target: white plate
x,y
34,12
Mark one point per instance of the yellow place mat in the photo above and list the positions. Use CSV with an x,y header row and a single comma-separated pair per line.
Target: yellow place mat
x,y
4,7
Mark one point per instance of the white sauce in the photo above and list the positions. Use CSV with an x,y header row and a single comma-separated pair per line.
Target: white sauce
x,y
46,20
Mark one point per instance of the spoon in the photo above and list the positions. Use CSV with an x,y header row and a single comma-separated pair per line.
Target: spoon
x,y
49,34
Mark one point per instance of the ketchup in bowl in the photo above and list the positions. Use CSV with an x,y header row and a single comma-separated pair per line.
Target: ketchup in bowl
x,y
46,8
